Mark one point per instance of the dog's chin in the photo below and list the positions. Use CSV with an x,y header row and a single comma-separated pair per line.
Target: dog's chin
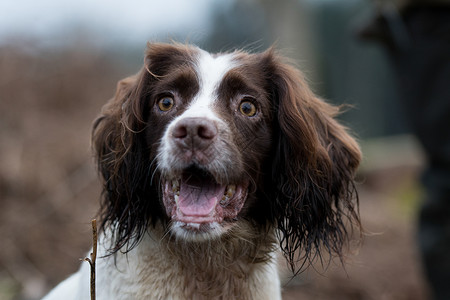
x,y
199,207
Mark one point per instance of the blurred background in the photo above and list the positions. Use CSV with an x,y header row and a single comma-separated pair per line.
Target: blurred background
x,y
60,61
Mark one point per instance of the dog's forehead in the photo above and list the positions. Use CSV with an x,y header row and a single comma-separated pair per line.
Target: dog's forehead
x,y
210,70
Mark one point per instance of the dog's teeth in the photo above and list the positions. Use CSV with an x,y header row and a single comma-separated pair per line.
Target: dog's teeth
x,y
176,198
224,200
230,191
228,195
175,186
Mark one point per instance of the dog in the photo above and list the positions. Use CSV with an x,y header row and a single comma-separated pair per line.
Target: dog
x,y
212,164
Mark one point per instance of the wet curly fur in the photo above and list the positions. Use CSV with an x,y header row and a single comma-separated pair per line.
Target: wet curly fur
x,y
298,161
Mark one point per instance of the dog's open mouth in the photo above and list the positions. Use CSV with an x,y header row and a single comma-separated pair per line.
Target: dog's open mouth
x,y
196,202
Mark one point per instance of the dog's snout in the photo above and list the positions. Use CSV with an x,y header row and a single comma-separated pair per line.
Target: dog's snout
x,y
194,132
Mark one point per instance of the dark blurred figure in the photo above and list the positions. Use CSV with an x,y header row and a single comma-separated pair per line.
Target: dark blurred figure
x,y
417,37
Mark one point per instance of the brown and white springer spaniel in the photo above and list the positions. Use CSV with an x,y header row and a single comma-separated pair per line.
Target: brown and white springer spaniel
x,y
211,165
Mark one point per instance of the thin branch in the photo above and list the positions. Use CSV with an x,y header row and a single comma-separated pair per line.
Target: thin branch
x,y
93,255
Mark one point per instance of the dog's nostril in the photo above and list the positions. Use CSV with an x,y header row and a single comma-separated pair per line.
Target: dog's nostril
x,y
194,128
206,131
180,132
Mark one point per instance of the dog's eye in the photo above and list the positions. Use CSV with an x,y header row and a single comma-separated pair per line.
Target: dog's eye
x,y
165,103
247,108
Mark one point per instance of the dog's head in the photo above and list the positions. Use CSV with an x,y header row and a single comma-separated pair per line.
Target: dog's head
x,y
201,142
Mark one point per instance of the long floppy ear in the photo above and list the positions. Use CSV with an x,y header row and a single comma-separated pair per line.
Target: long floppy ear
x,y
117,139
313,169
124,155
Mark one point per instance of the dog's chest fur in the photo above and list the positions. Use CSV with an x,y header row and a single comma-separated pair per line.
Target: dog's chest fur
x,y
158,269
204,157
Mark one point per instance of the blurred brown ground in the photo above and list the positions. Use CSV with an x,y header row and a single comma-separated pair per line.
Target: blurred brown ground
x,y
49,189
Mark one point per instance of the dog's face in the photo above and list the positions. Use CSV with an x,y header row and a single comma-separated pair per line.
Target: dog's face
x,y
202,142
211,122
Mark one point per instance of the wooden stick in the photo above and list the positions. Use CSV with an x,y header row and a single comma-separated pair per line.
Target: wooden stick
x,y
93,255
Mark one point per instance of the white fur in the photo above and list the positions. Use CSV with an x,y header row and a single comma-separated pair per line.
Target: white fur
x,y
147,272
215,231
210,71
68,289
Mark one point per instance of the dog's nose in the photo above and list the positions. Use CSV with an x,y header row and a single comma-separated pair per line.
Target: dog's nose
x,y
194,133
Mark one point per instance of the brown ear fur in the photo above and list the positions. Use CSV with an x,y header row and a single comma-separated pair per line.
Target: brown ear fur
x,y
313,170
130,194
115,139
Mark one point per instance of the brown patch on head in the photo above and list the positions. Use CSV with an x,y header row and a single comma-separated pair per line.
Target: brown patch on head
x,y
273,133
124,133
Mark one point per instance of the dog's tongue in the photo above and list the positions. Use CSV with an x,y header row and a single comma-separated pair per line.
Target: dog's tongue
x,y
199,195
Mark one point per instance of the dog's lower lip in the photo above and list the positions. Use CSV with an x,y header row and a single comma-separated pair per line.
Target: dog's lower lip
x,y
195,227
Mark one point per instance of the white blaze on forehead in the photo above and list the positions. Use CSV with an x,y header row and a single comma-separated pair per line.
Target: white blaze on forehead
x,y
210,71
